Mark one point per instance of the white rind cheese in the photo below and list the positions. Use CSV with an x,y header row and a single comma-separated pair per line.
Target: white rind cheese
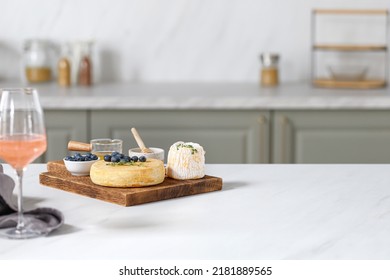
x,y
186,161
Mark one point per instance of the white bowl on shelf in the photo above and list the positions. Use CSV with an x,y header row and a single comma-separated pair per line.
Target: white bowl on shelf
x,y
348,72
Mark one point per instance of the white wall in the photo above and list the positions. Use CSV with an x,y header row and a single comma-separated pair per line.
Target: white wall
x,y
171,40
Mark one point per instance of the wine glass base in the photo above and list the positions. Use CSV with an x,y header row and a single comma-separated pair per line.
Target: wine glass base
x,y
15,233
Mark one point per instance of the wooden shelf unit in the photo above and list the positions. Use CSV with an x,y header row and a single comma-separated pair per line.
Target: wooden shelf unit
x,y
382,12
349,48
359,84
354,84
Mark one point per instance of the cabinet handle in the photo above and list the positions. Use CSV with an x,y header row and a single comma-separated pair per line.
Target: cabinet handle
x,y
263,121
284,125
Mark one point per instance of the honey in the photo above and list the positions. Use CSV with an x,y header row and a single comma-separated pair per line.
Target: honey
x,y
101,155
38,74
269,77
106,146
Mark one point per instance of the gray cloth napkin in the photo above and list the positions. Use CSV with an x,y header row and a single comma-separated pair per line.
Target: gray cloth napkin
x,y
41,219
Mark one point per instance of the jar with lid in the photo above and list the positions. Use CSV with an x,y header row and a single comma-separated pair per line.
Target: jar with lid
x,y
37,61
269,72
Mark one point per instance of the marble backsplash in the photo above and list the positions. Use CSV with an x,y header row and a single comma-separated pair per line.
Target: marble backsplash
x,y
170,40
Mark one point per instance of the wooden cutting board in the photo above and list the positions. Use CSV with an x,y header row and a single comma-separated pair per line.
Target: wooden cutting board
x,y
58,177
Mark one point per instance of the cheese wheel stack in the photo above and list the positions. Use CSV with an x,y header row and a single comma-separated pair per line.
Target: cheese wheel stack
x,y
186,160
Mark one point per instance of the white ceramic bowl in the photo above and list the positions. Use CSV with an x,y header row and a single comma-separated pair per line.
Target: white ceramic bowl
x,y
157,153
348,73
79,168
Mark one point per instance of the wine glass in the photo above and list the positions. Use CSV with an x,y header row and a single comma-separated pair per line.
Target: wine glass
x,y
22,140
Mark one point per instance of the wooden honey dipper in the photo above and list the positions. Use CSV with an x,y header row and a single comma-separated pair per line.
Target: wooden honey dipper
x,y
139,141
79,146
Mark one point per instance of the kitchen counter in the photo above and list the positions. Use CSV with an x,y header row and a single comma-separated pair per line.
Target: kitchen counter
x,y
263,212
218,96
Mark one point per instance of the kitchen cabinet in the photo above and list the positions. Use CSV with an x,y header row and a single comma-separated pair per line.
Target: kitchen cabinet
x,y
331,137
231,136
227,136
236,123
62,126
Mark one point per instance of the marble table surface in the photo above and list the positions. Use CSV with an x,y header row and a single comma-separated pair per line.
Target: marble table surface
x,y
263,212
204,96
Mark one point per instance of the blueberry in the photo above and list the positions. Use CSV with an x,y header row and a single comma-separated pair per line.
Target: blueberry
x,y
127,158
77,155
114,154
68,158
115,159
121,155
134,158
142,158
93,157
81,159
107,158
122,160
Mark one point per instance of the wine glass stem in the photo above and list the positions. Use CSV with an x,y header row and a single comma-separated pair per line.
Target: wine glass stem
x,y
20,225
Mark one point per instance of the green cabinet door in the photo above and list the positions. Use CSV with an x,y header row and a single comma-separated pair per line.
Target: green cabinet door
x,y
227,136
331,137
62,126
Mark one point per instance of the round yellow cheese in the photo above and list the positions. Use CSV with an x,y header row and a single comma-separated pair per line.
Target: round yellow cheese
x,y
138,174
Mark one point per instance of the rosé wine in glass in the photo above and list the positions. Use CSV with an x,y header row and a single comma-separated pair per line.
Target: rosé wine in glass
x,y
22,140
21,150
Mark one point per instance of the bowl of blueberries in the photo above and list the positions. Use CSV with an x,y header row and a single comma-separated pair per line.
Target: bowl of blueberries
x,y
118,158
79,165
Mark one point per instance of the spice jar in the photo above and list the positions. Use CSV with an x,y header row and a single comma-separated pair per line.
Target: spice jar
x,y
63,66
85,72
37,61
269,71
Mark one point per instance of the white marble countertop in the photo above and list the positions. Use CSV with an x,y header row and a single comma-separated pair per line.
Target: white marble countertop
x,y
204,96
263,212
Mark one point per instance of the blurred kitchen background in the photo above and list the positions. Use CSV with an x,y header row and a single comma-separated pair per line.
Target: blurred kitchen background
x,y
173,40
190,70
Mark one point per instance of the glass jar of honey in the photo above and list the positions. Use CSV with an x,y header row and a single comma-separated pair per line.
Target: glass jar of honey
x,y
37,61
269,75
105,146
